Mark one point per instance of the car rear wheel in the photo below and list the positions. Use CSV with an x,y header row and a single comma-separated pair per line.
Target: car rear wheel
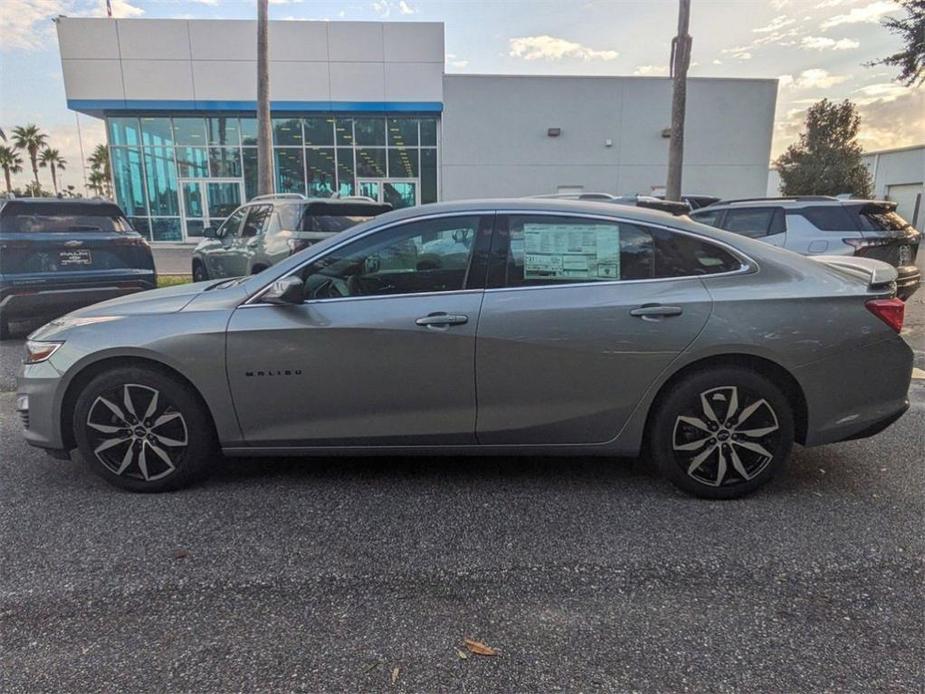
x,y
722,433
199,272
143,430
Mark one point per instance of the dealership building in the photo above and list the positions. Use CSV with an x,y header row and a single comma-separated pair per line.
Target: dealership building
x,y
365,108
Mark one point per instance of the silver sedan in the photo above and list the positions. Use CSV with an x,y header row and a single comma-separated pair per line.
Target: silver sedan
x,y
527,327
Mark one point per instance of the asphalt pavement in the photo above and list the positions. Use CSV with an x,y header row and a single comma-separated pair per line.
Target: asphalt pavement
x,y
367,574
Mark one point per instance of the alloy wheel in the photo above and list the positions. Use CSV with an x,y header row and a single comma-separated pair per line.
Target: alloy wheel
x,y
728,437
136,432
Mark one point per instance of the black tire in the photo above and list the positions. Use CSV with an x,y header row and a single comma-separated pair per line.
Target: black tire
x,y
200,274
707,457
136,462
258,269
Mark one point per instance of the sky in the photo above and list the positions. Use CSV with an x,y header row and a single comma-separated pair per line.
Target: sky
x,y
815,48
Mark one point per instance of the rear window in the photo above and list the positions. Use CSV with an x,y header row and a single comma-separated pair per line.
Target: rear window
x,y
830,218
336,217
62,217
882,219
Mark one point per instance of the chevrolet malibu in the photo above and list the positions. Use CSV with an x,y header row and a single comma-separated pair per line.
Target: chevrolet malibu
x,y
511,327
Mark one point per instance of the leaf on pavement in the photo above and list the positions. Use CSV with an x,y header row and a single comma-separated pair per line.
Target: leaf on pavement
x,y
395,672
462,654
181,554
479,648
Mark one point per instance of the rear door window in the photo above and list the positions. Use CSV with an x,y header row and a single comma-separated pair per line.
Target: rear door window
x,y
546,250
753,222
62,217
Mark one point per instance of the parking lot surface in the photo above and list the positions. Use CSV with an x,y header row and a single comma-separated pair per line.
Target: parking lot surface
x,y
366,574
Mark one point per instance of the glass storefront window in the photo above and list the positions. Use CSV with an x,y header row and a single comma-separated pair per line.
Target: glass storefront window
x,y
403,132
319,164
403,163
428,132
343,128
249,160
141,225
345,171
189,131
124,131
369,131
192,162
287,132
156,132
225,162
166,229
371,163
161,177
428,175
129,180
249,132
290,174
224,198
223,131
319,132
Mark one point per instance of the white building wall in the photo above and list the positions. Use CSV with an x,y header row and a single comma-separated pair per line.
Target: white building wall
x,y
495,138
200,61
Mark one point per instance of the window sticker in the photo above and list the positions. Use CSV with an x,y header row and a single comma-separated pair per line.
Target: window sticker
x,y
570,251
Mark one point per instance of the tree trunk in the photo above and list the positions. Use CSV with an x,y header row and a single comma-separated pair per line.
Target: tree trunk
x,y
9,183
680,61
265,182
54,179
35,168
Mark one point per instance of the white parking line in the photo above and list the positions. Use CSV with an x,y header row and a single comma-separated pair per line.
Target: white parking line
x,y
918,374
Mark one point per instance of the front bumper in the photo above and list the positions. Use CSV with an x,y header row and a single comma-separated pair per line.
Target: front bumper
x,y
37,403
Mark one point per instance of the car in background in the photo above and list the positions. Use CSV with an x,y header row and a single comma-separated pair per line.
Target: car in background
x,y
484,327
695,202
823,225
57,255
270,228
649,202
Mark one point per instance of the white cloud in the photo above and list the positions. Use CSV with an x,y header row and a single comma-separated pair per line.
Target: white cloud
x,y
454,61
814,78
884,92
744,55
775,24
547,47
26,24
381,7
717,61
405,8
823,43
868,14
651,70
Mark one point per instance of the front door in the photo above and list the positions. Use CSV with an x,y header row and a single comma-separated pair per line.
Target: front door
x,y
398,192
382,351
207,203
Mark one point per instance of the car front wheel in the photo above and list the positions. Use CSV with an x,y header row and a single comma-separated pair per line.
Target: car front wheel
x,y
143,430
199,272
722,433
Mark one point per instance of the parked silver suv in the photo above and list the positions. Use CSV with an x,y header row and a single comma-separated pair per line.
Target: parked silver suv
x,y
270,228
822,225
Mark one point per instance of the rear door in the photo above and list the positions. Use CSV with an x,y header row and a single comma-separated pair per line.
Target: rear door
x,y
580,316
78,242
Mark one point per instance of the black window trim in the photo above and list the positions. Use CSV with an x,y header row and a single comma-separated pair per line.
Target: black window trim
x,y
749,264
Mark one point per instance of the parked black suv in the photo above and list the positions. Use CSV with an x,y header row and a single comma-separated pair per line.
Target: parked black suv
x,y
58,255
270,228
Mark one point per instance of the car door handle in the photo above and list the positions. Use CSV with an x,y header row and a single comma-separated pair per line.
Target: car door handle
x,y
437,320
656,311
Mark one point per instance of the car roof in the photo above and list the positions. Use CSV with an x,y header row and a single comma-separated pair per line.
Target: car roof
x,y
59,201
796,202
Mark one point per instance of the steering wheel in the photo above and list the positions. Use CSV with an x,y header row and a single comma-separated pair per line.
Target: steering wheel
x,y
333,288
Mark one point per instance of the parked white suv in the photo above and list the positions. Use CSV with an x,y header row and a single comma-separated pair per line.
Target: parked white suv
x,y
822,225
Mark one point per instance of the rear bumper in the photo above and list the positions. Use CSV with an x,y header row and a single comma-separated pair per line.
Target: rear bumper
x,y
857,393
25,303
908,281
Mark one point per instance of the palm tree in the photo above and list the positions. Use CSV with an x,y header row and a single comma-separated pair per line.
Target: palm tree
x,y
11,163
99,164
53,160
96,181
30,139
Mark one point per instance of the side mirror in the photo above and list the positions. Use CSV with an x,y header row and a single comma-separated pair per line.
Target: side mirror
x,y
288,290
208,232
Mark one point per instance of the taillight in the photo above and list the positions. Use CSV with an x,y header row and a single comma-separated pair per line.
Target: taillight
x,y
890,311
859,244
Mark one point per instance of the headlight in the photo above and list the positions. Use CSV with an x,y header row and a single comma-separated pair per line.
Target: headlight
x,y
39,351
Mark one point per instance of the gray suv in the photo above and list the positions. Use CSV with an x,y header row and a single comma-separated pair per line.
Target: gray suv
x,y
822,225
270,228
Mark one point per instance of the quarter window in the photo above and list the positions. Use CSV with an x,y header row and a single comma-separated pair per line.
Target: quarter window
x,y
544,250
425,256
710,217
754,222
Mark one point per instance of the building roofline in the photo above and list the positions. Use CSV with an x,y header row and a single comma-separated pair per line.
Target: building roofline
x,y
611,77
891,150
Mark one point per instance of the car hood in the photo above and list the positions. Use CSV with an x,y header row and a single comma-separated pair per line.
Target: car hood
x,y
166,300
